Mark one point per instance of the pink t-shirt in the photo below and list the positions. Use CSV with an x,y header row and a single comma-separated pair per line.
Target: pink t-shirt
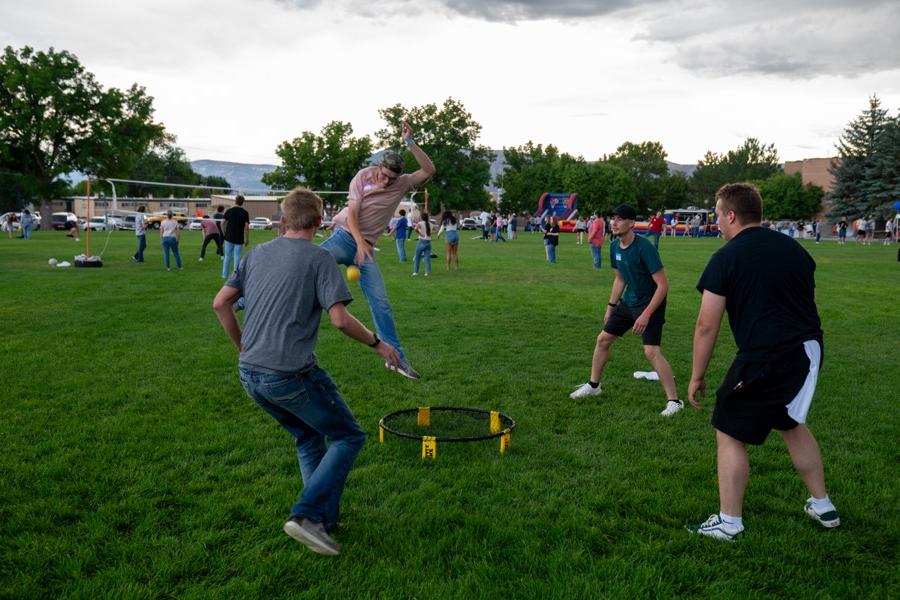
x,y
376,204
209,227
595,235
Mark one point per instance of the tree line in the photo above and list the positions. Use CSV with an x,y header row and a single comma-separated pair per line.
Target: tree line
x,y
56,119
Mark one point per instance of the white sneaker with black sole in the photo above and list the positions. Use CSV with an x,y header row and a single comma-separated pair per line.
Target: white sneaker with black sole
x,y
312,535
672,407
584,390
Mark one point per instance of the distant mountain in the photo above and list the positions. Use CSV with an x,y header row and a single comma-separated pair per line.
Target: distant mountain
x,y
248,178
243,177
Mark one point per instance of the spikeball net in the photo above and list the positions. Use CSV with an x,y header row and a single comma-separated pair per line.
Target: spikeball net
x,y
434,424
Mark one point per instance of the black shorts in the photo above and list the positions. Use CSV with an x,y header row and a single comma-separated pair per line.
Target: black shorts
x,y
757,397
623,317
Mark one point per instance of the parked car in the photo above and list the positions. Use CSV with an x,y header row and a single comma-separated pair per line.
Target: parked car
x,y
260,223
58,220
128,222
468,223
116,220
155,219
195,225
99,224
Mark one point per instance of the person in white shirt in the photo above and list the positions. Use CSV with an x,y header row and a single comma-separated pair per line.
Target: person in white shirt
x,y
170,235
423,247
449,225
140,230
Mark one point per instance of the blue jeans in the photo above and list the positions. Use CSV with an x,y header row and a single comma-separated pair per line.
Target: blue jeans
x,y
142,245
597,253
26,232
232,251
551,253
171,243
343,248
655,239
423,248
401,248
309,407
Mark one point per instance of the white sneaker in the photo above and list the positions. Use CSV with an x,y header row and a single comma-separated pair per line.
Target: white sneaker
x,y
828,519
672,407
714,527
200,259
585,390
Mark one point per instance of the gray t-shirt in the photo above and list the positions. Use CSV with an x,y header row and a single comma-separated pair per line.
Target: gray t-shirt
x,y
286,284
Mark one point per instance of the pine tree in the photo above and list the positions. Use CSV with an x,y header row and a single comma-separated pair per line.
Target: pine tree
x,y
863,170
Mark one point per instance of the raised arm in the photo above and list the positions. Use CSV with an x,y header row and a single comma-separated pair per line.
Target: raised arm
x,y
426,167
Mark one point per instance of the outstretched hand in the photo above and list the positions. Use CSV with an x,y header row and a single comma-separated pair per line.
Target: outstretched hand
x,y
406,131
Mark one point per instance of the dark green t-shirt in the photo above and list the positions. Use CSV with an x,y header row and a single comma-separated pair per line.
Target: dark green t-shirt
x,y
637,263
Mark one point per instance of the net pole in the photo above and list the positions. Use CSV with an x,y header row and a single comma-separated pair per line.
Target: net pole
x,y
87,234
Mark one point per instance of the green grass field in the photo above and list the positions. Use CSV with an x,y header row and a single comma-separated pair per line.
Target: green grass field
x,y
134,466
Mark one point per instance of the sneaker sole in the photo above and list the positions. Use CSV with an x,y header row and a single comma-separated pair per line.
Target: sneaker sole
x,y
727,537
298,533
829,524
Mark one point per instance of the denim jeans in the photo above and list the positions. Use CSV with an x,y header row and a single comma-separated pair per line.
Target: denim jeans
x,y
142,245
171,243
597,253
26,232
655,239
423,248
232,251
309,407
401,248
551,253
343,248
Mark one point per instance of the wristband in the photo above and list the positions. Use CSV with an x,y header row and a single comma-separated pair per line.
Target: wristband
x,y
409,141
611,304
376,342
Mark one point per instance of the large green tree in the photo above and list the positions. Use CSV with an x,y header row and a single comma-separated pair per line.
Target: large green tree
x,y
646,164
867,173
55,118
601,186
530,171
785,197
324,162
751,161
449,135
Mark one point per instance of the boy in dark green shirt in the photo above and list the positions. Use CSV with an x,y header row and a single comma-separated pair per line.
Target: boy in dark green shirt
x,y
638,302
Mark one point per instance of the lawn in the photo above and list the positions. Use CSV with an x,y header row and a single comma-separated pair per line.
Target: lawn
x,y
134,466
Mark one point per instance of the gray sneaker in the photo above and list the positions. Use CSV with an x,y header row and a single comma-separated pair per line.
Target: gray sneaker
x,y
584,390
312,535
828,519
714,527
404,369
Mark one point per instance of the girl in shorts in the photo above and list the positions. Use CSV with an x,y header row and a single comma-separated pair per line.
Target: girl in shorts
x,y
449,224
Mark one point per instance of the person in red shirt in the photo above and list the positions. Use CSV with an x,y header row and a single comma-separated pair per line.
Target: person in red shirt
x,y
656,227
596,233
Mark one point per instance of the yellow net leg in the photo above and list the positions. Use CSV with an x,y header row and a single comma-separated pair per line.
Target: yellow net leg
x,y
429,448
504,442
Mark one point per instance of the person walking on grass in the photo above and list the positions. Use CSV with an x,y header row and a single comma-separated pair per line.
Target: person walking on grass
x,y
286,284
765,282
596,235
140,232
450,226
399,233
237,234
375,193
170,235
211,233
637,302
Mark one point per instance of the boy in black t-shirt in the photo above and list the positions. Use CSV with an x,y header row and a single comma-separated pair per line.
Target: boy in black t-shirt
x,y
237,233
764,280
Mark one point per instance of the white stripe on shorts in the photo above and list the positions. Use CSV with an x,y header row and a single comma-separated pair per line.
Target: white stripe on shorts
x,y
799,406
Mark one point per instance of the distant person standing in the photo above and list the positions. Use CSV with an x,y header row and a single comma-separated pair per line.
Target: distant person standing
x,y
10,220
657,223
870,230
888,232
28,222
170,235
580,228
450,226
237,233
512,227
842,231
596,234
485,218
766,284
423,245
399,232
637,302
210,230
140,232
551,238
817,229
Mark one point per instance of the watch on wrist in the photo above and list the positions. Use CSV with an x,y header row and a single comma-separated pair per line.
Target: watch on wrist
x,y
376,342
409,141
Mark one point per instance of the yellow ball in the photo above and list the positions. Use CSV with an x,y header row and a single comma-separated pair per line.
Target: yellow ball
x,y
353,273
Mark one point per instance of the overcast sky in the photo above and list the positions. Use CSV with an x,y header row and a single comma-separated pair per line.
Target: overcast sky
x,y
234,78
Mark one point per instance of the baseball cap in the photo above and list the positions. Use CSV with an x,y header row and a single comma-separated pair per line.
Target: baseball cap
x,y
392,161
625,211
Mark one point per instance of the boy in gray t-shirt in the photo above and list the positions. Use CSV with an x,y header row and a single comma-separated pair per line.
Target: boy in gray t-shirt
x,y
286,284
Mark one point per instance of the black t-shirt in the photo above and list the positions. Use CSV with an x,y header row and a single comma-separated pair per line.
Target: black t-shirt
x,y
235,220
552,240
768,282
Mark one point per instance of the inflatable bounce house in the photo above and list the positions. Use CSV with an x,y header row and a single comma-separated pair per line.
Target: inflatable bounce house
x,y
563,206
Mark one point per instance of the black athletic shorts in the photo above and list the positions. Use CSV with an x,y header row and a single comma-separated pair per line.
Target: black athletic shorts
x,y
757,397
623,317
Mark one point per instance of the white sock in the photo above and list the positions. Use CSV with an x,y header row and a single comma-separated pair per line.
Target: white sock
x,y
732,522
822,505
